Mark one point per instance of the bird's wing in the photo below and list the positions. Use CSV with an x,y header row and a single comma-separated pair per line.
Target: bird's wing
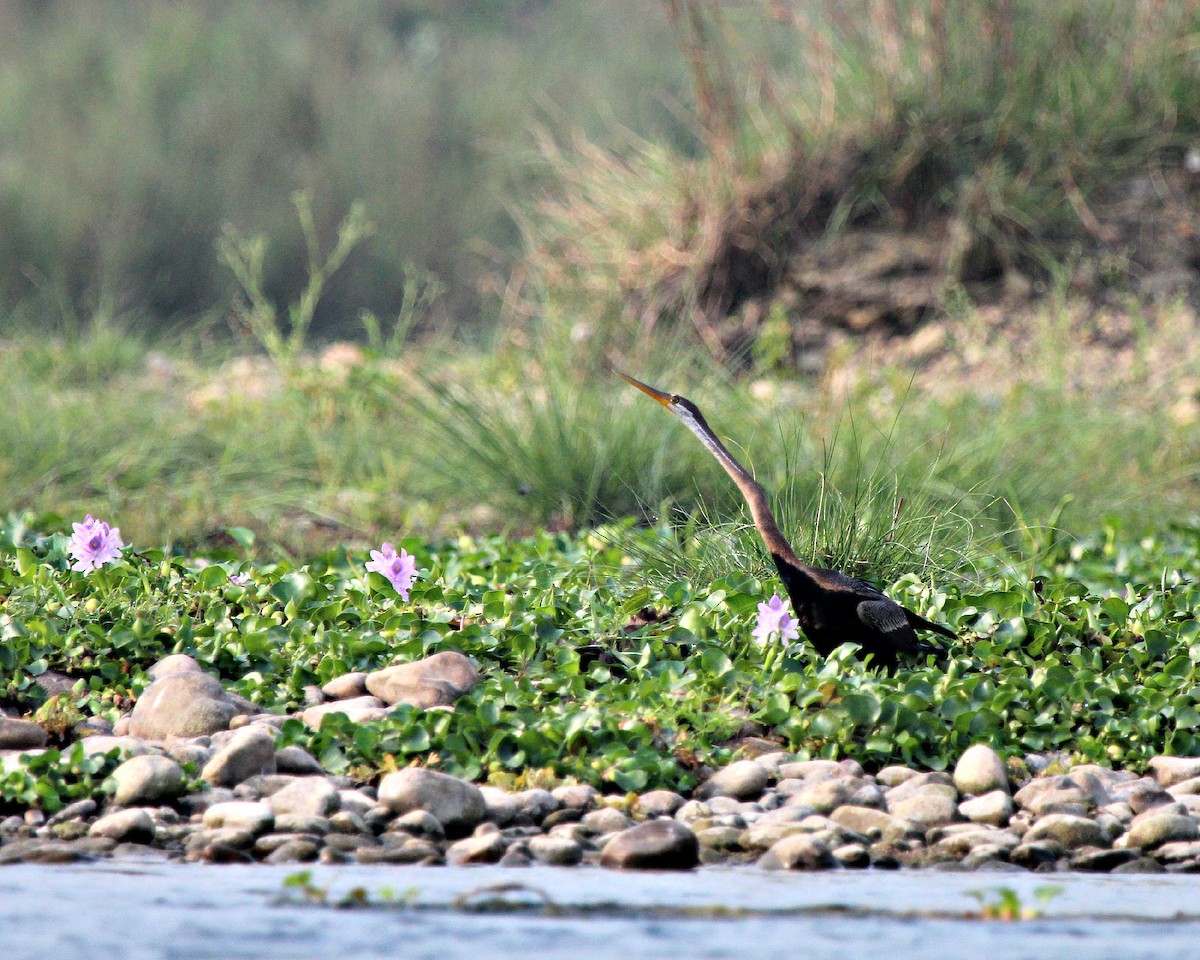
x,y
888,617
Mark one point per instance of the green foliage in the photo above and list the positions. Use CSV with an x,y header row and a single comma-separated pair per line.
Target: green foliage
x,y
244,256
1098,655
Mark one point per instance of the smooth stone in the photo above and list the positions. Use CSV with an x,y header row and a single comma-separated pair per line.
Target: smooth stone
x,y
931,807
1070,831
809,770
128,746
962,843
296,760
980,770
358,710
653,845
1036,854
435,681
933,782
606,820
721,838
1178,850
534,805
484,848
798,852
298,850
1038,795
186,704
40,851
147,779
21,734
742,780
895,775
852,855
301,823
243,816
555,850
1154,829
1188,787
80,809
125,826
501,808
173,663
1101,861
457,804
1140,865
250,751
1172,770
825,796
187,751
871,822
348,686
581,796
315,796
346,822
658,803
996,808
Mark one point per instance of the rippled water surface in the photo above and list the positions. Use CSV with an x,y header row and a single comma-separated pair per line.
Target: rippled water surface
x,y
156,911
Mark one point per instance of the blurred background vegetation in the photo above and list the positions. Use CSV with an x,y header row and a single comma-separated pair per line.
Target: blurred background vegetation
x,y
932,264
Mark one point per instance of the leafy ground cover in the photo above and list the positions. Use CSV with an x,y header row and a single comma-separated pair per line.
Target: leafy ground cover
x,y
592,673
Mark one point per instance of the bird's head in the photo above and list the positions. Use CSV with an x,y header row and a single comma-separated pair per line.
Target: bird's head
x,y
682,407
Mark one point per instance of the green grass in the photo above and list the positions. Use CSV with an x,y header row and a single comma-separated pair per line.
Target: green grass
x,y
1098,657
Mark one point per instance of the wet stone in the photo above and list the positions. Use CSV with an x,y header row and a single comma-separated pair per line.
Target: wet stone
x,y
557,851
742,780
1070,831
658,803
852,855
606,820
1154,830
126,826
533,806
1037,853
299,850
653,845
1101,861
799,852
80,809
485,848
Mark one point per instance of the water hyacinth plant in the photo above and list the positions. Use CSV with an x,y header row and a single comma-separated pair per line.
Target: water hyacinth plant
x,y
399,568
775,620
94,544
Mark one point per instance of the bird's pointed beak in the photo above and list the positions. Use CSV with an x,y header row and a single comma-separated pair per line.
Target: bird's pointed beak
x,y
663,398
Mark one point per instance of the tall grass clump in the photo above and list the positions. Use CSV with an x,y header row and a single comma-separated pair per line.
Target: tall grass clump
x,y
1004,124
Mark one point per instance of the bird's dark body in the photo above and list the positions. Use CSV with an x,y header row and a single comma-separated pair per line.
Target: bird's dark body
x,y
831,607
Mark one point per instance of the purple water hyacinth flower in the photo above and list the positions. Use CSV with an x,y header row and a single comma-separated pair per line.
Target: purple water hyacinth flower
x,y
400,568
240,579
93,544
775,618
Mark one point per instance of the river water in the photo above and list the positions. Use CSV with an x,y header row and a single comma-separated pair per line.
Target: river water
x,y
131,910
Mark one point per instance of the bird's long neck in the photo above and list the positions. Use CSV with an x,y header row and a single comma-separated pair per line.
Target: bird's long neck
x,y
756,497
